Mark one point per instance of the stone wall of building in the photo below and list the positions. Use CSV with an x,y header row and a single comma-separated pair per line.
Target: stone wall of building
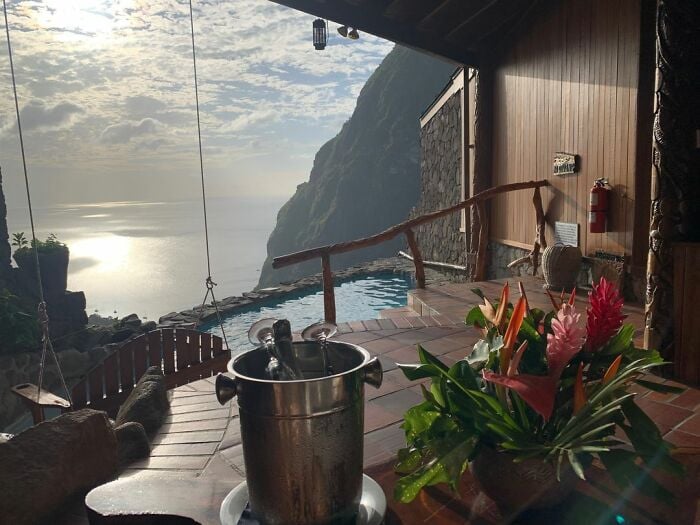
x,y
500,255
441,240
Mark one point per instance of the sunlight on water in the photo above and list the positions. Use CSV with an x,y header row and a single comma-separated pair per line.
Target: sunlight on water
x,y
355,300
107,253
148,257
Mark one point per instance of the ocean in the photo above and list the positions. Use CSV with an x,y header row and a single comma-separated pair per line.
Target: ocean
x,y
149,258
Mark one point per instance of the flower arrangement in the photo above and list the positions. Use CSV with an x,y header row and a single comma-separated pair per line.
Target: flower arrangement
x,y
537,385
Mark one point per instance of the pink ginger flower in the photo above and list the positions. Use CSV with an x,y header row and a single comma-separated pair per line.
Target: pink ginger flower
x,y
604,314
562,345
565,341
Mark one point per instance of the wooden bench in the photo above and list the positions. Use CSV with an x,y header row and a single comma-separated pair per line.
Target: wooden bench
x,y
184,355
36,401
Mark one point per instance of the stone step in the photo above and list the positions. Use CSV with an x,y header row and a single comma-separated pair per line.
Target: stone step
x,y
393,313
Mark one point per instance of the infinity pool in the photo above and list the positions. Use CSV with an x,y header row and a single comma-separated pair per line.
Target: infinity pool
x,y
357,299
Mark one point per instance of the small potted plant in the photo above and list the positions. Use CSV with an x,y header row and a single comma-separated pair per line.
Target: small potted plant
x,y
53,260
543,398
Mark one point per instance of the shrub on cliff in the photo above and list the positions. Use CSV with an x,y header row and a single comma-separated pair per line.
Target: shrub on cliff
x,y
19,330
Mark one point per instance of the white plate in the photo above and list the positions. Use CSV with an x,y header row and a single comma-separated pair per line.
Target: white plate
x,y
372,504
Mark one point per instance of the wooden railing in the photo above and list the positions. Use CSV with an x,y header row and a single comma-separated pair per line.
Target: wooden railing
x,y
183,355
406,228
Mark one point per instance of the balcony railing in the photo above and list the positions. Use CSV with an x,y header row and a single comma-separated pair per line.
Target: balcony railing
x,y
406,228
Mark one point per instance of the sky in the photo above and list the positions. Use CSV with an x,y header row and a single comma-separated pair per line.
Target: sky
x,y
108,107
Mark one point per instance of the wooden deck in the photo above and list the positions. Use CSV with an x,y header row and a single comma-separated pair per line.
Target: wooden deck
x,y
201,439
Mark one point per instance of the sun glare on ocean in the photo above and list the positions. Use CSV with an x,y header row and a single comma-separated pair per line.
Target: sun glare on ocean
x,y
109,253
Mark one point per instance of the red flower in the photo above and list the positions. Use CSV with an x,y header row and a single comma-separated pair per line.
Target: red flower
x,y
537,391
562,345
604,314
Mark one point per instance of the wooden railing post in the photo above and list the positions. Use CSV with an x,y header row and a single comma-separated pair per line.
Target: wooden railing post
x,y
417,259
478,270
480,266
540,242
397,229
540,239
328,290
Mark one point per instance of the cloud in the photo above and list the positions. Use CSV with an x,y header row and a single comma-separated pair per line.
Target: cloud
x,y
36,116
143,104
249,119
127,67
125,131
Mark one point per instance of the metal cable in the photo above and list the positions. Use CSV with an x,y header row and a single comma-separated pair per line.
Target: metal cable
x,y
209,282
199,138
21,147
42,308
210,290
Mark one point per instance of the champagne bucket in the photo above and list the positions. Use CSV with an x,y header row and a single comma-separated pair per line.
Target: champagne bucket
x,y
303,439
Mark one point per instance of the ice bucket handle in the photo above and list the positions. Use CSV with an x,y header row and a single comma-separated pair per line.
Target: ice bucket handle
x,y
373,372
226,388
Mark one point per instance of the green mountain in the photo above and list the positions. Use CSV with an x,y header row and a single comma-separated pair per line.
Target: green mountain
x,y
367,177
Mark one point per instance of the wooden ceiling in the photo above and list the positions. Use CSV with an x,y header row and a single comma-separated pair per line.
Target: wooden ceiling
x,y
462,31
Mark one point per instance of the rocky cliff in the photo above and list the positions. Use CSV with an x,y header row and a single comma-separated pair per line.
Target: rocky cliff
x,y
367,177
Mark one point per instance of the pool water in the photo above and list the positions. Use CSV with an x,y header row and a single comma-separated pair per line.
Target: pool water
x,y
355,300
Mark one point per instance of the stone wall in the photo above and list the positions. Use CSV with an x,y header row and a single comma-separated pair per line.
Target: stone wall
x,y
500,255
441,240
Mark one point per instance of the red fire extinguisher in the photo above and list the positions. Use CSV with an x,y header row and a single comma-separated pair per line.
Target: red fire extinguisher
x,y
598,209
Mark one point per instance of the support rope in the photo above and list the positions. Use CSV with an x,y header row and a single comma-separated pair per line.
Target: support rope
x,y
209,283
43,316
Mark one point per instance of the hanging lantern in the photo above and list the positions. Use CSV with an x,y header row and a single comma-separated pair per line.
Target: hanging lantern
x,y
320,34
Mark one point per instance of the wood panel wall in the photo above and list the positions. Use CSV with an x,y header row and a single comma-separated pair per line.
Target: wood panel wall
x,y
570,83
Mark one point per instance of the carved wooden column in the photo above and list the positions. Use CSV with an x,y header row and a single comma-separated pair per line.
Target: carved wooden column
x,y
675,180
483,136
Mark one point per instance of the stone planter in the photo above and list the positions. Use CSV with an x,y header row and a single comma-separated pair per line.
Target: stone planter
x,y
54,267
561,266
515,487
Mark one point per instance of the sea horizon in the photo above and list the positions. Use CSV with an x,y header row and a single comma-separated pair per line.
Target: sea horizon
x,y
149,257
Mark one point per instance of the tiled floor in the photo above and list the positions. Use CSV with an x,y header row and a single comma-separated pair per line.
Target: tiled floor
x,y
200,438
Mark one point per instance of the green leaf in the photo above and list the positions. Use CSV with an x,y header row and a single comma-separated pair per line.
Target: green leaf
x,y
428,396
415,372
461,372
622,468
418,420
529,330
480,352
647,440
520,410
576,465
437,389
478,292
660,387
409,459
447,466
429,359
621,341
642,424
475,317
537,315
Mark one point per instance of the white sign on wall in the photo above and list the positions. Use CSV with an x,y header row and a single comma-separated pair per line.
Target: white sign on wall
x,y
566,233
